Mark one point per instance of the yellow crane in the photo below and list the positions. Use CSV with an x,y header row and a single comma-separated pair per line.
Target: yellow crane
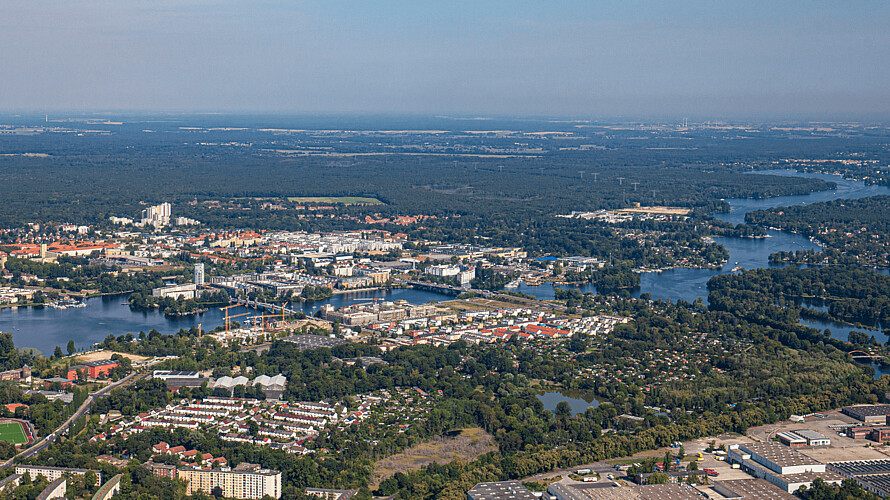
x,y
228,316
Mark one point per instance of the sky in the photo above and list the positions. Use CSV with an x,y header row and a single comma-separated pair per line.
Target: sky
x,y
559,58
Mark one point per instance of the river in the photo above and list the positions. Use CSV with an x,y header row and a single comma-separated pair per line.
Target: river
x,y
45,328
689,284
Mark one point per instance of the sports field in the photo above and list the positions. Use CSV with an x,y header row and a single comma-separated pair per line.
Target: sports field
x,y
13,433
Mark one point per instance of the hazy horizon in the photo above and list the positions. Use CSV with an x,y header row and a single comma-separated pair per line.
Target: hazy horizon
x,y
607,60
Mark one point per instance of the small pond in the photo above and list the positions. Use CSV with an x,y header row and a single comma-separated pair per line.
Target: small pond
x,y
579,401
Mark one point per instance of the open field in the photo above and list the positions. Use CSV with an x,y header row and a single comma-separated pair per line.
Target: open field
x,y
656,210
103,355
12,432
345,200
467,446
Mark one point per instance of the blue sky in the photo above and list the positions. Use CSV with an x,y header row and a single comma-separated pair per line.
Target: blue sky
x,y
705,59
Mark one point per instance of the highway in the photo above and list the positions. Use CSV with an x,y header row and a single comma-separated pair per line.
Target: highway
x,y
81,410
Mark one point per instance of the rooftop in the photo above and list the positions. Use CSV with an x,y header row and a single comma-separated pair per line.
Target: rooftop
x,y
808,434
878,482
861,467
867,410
501,490
778,454
752,489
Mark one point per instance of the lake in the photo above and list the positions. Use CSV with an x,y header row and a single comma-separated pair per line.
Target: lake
x,y
579,401
44,328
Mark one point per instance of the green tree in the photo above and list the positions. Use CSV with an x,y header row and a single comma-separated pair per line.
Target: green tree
x,y
71,348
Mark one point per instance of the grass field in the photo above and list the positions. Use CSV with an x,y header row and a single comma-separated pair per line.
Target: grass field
x,y
345,200
13,433
468,445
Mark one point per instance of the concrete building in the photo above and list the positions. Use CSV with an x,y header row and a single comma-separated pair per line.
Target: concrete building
x,y
199,274
10,483
791,439
53,473
784,467
813,438
56,489
870,414
754,489
244,484
443,271
776,458
91,369
500,490
157,216
186,291
109,489
873,475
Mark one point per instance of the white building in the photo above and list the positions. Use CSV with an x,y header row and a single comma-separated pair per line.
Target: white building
x,y
234,483
199,274
157,216
186,291
52,473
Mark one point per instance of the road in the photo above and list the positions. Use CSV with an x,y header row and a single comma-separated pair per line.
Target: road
x,y
81,410
602,468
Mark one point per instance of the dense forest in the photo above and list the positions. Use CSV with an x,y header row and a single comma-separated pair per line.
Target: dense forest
x,y
113,173
850,294
853,231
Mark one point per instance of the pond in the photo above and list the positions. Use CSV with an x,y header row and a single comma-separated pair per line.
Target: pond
x,y
579,401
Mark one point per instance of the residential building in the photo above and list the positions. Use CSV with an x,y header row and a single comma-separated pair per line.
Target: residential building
x,y
199,274
56,489
52,473
233,483
109,489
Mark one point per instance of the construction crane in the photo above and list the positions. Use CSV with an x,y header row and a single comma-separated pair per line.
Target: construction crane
x,y
228,316
273,317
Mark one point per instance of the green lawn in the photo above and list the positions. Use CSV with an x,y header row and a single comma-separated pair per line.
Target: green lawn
x,y
13,433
